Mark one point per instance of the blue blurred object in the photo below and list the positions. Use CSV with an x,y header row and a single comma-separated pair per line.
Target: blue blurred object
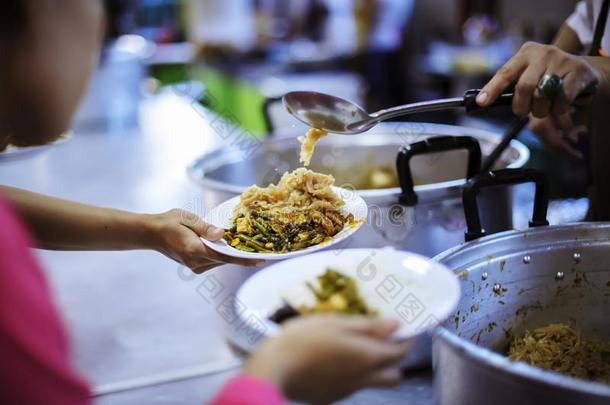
x,y
159,20
155,20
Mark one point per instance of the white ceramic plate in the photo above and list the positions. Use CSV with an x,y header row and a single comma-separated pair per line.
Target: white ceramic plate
x,y
12,153
222,217
419,292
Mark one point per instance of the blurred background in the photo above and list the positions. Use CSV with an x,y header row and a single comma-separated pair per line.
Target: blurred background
x,y
236,56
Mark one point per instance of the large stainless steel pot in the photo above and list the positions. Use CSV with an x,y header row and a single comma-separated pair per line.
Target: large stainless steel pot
x,y
430,217
513,281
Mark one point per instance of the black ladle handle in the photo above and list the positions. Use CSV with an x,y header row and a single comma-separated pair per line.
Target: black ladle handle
x,y
504,177
506,99
470,102
433,145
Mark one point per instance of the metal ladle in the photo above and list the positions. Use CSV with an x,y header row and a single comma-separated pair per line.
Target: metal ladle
x,y
339,116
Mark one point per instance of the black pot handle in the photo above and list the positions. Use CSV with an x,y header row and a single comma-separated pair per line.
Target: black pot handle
x,y
433,145
504,177
269,101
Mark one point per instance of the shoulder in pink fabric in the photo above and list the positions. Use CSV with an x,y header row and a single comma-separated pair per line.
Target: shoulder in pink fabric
x,y
248,390
35,366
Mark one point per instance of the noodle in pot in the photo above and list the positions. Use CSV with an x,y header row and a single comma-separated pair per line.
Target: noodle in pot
x,y
561,348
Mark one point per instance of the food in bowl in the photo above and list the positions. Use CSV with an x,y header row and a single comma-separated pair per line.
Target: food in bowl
x,y
561,348
335,293
380,177
308,144
302,210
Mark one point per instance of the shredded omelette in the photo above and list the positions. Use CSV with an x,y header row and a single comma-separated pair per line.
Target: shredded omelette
x,y
308,144
561,348
300,211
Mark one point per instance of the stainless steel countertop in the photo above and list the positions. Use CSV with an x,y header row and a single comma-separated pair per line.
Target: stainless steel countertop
x,y
143,329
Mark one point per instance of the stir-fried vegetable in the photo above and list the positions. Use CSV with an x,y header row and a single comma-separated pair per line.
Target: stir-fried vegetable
x,y
336,293
279,232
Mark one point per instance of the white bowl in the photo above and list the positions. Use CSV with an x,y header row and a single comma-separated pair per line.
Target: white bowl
x,y
416,291
222,217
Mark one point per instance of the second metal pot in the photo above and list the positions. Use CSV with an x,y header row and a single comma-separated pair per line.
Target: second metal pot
x,y
514,281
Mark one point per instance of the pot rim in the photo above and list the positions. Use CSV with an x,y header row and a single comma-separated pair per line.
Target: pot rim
x,y
492,360
369,194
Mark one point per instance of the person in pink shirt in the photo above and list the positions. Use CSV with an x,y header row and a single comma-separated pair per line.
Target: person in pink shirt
x,y
48,50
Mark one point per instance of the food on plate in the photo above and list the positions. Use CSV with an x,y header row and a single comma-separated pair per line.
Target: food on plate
x,y
308,144
300,211
335,293
561,348
4,142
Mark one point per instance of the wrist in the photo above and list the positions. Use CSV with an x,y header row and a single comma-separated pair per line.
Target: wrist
x,y
144,230
262,365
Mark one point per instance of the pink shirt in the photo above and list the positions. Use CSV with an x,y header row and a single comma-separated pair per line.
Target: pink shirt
x,y
248,390
34,353
35,366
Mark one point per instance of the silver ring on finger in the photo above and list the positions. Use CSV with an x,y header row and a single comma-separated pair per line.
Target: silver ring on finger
x,y
550,86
